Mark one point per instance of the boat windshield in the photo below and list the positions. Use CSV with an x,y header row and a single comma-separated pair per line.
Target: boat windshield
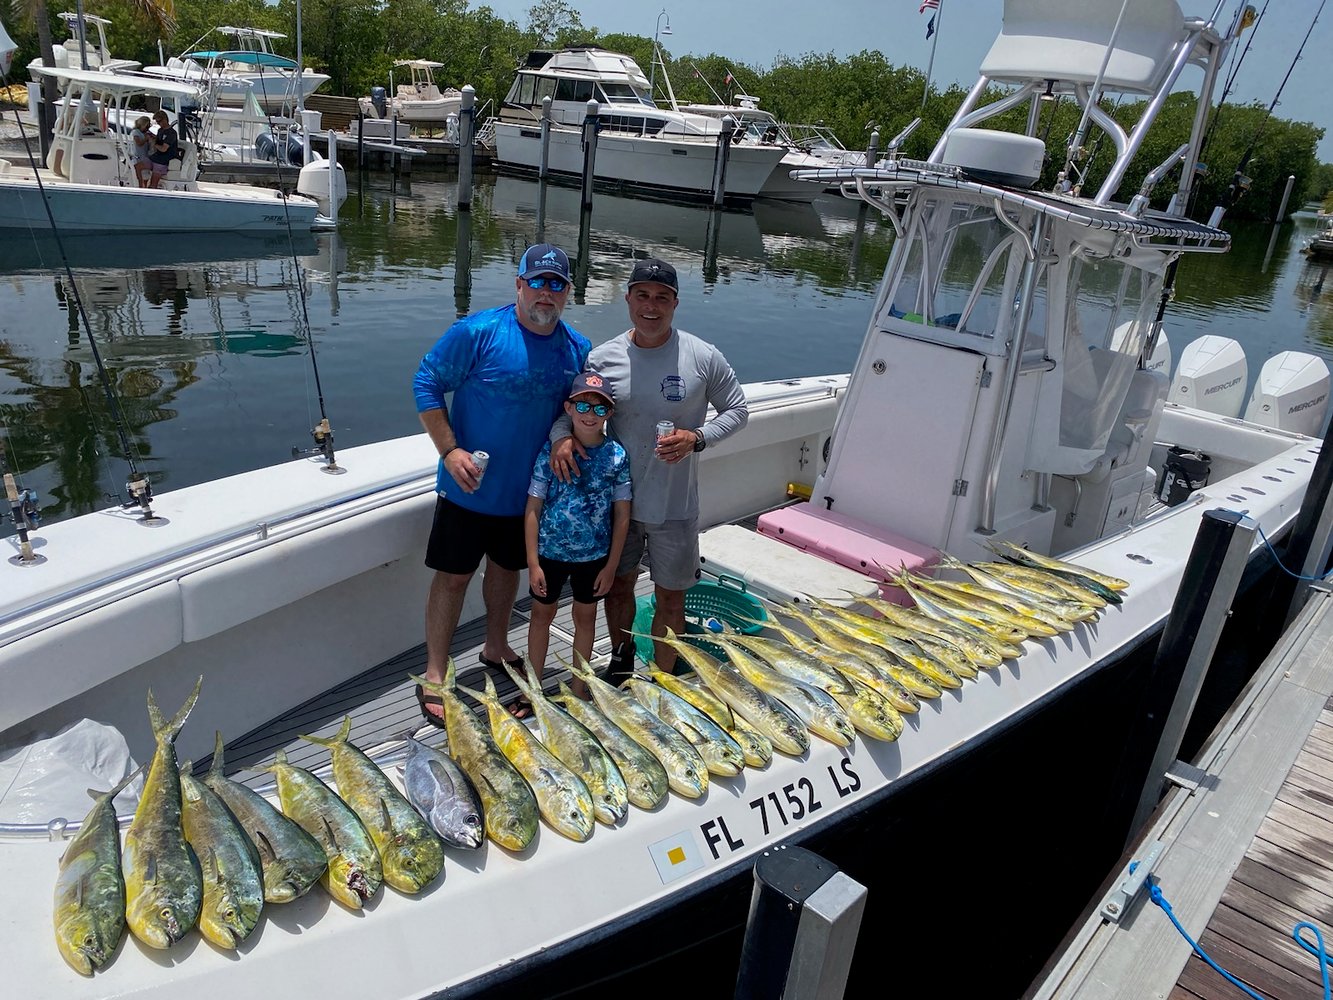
x,y
624,93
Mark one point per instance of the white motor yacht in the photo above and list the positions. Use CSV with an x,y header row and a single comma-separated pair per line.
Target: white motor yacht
x,y
272,78
88,183
1001,395
640,146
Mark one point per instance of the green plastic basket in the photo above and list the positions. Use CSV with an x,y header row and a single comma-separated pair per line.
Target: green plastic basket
x,y
725,600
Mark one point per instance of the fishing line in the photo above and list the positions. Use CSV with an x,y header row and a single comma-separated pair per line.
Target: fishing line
x,y
139,489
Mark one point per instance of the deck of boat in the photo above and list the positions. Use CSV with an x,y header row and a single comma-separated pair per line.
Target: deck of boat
x,y
1245,857
381,701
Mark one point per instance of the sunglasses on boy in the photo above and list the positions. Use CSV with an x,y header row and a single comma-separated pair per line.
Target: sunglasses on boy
x,y
583,406
556,285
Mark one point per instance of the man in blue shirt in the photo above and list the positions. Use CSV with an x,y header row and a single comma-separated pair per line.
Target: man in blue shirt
x,y
509,370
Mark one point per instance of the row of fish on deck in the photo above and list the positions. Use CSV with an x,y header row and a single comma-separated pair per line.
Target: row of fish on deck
x,y
212,852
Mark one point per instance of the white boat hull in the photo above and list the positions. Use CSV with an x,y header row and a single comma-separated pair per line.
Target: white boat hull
x,y
95,208
660,163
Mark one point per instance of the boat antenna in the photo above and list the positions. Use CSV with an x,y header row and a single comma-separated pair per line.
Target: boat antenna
x,y
1239,182
137,486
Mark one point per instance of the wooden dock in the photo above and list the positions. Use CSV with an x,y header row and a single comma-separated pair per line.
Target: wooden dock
x,y
1246,854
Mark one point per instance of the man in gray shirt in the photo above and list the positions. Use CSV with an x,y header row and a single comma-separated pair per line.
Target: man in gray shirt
x,y
658,373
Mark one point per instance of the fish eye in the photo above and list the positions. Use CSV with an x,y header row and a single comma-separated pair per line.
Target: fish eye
x,y
165,913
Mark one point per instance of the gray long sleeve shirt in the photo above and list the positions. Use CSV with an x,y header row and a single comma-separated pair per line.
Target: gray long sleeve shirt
x,y
676,381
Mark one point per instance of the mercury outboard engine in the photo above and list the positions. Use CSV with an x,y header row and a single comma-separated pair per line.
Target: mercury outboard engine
x,y
380,100
266,148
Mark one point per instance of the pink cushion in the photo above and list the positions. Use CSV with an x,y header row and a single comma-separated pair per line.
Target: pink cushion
x,y
848,542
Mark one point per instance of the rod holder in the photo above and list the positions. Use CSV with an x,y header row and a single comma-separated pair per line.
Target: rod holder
x,y
323,435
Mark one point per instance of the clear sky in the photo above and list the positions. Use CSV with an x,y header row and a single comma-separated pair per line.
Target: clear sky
x,y
758,32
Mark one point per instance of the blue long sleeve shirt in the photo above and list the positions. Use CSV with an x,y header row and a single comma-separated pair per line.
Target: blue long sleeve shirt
x,y
508,385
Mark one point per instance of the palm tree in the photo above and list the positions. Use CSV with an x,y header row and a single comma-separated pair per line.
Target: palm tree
x,y
161,12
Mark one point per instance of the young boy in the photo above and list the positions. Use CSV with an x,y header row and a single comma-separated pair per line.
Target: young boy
x,y
575,531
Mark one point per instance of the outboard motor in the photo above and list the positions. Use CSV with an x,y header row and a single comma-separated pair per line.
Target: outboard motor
x,y
266,148
379,98
1291,393
1212,376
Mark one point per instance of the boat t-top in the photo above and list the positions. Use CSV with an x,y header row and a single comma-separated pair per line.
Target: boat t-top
x,y
276,81
89,183
420,100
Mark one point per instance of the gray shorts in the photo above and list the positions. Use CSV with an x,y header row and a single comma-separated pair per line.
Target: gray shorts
x,y
672,551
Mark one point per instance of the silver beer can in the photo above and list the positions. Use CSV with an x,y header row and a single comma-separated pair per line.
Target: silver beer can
x,y
480,459
664,427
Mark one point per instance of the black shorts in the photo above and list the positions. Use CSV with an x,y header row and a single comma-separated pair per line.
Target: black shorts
x,y
460,537
582,577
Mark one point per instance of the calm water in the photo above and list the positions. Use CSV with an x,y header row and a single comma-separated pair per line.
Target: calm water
x,y
204,336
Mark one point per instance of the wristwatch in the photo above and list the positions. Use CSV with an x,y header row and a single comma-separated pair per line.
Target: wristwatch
x,y
699,443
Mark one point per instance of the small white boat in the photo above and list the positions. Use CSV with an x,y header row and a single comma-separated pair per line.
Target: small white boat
x,y
78,51
273,79
640,146
1320,245
419,101
89,184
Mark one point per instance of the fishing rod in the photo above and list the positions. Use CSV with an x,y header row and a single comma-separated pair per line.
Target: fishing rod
x,y
1239,182
25,514
322,432
137,486
1245,17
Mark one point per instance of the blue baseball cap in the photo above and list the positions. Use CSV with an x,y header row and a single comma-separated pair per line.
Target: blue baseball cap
x,y
544,258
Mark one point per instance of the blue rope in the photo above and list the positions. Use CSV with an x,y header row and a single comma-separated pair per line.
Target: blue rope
x,y
1316,949
1278,559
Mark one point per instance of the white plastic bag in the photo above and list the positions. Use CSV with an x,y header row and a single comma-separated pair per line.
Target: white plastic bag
x,y
50,778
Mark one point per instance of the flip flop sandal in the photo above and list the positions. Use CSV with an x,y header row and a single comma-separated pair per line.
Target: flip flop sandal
x,y
520,707
424,699
516,663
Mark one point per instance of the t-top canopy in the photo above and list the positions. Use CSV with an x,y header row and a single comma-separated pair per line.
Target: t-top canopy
x,y
118,83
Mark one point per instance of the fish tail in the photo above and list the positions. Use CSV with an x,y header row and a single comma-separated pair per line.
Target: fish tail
x,y
490,686
581,670
215,769
431,685
481,696
279,759
523,684
168,730
450,673
344,731
119,786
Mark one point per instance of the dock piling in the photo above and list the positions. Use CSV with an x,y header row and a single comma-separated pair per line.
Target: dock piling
x,y
801,933
720,162
544,169
1308,546
467,129
1193,627
872,149
591,126
463,263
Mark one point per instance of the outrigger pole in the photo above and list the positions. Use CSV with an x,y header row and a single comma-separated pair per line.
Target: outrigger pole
x,y
937,17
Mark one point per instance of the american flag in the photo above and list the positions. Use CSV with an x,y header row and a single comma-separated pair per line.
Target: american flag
x,y
928,5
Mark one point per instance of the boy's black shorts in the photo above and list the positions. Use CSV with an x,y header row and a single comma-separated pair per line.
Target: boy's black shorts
x,y
582,577
460,537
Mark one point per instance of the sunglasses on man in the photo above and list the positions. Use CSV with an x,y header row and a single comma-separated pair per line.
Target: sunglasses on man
x,y
583,406
556,285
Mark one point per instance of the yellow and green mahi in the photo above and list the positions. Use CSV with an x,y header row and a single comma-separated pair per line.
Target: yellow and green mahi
x,y
761,710
233,873
163,888
354,872
507,802
757,748
577,748
411,854
563,798
686,771
645,777
89,910
291,859
721,754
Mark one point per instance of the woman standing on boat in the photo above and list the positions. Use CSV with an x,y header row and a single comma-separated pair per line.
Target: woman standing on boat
x,y
509,370
662,375
162,148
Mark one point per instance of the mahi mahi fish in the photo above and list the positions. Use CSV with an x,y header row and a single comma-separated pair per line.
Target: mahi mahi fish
x,y
89,911
509,806
437,786
577,749
686,771
761,710
163,889
354,871
757,748
645,777
411,855
292,860
563,798
721,753
233,873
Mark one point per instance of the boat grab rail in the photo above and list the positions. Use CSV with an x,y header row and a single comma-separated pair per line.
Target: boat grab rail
x,y
226,545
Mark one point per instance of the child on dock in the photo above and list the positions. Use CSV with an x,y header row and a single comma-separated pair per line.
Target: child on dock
x,y
575,531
